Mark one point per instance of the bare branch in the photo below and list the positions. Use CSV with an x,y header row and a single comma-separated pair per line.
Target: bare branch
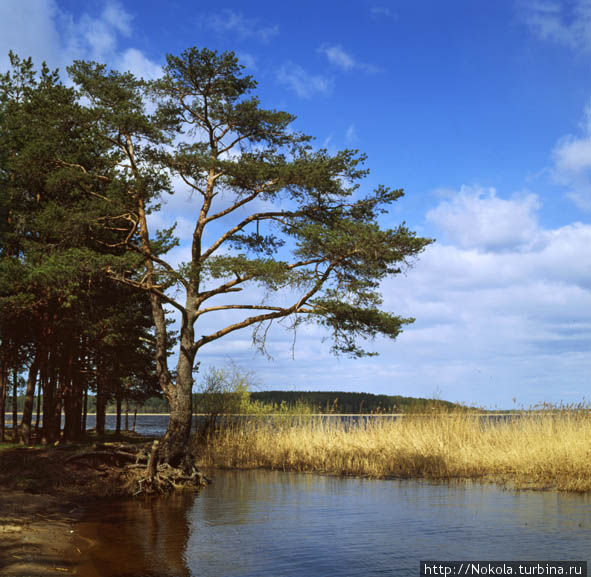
x,y
229,286
243,201
233,143
253,217
83,169
244,307
191,184
169,269
283,312
151,288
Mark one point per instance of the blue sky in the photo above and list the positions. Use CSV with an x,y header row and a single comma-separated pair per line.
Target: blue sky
x,y
481,111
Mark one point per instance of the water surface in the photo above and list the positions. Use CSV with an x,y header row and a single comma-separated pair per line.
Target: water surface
x,y
261,523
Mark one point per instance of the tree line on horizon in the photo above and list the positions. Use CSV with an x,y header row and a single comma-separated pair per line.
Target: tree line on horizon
x,y
275,401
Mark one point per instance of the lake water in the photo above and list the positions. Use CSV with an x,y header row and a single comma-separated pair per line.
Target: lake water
x,y
262,523
155,425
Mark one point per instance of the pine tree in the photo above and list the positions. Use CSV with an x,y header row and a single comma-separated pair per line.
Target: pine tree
x,y
319,239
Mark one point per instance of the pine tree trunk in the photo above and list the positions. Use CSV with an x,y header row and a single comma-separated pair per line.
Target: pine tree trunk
x,y
29,402
49,399
38,416
175,445
118,424
73,408
101,410
3,385
14,404
101,397
85,412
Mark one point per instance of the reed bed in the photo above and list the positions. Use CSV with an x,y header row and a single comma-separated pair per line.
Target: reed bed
x,y
538,450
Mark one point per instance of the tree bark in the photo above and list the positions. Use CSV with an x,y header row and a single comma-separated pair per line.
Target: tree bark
x,y
127,414
175,444
85,411
3,385
118,424
101,396
14,404
101,409
73,409
38,416
29,401
50,398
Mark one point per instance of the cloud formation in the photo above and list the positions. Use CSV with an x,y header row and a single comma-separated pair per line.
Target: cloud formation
x,y
340,58
46,33
495,309
478,219
229,21
572,163
566,23
304,84
29,29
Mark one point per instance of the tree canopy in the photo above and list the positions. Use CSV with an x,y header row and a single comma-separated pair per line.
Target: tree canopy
x,y
272,210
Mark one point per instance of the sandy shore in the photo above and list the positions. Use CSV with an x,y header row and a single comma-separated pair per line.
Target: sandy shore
x,y
38,535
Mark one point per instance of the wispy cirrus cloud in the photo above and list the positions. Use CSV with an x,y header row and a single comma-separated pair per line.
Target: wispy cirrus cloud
x,y
340,58
566,23
351,135
303,83
382,12
229,21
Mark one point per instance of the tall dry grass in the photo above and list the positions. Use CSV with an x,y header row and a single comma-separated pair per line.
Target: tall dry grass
x,y
548,449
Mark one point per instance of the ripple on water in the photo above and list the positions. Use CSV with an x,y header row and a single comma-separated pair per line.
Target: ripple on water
x,y
261,523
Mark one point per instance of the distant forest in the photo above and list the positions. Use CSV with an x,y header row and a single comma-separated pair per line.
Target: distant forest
x,y
342,402
317,402
324,402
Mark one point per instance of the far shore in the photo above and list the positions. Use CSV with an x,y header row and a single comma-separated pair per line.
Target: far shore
x,y
385,415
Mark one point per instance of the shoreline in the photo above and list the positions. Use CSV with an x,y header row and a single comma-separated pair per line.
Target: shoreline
x,y
38,535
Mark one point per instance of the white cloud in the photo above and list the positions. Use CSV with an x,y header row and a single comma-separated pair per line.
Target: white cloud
x,y
238,24
117,17
135,61
339,57
29,29
98,37
479,219
301,82
41,30
351,134
572,163
493,324
248,60
566,23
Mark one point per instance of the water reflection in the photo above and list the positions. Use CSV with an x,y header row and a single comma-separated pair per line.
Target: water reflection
x,y
137,538
261,523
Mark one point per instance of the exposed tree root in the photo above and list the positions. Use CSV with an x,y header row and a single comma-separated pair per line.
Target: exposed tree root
x,y
166,480
137,469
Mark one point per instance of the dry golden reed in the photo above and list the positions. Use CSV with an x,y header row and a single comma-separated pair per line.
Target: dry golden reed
x,y
537,449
